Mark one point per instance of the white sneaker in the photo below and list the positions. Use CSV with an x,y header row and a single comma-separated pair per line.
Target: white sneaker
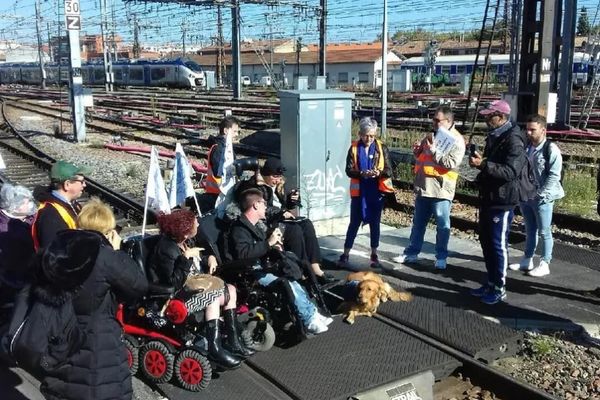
x,y
316,326
542,269
526,264
440,264
405,259
325,320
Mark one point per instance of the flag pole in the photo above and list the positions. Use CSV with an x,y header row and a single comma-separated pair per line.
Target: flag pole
x,y
145,215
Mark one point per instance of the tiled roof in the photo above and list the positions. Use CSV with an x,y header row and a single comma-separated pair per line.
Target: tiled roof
x,y
309,57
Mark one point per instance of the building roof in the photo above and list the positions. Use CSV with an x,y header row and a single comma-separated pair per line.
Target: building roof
x,y
308,57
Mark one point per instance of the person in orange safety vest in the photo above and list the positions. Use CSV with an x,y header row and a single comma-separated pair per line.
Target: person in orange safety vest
x,y
434,185
58,205
369,170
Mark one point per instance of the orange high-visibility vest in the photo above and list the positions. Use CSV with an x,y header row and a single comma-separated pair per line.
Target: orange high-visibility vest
x,y
384,184
212,183
430,168
64,214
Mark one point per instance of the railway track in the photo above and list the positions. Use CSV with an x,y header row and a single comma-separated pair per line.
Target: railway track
x,y
30,167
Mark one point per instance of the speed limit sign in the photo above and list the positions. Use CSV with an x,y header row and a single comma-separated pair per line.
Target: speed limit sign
x,y
72,7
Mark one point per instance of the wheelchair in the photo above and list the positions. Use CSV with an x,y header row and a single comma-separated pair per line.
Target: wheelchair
x,y
166,342
275,301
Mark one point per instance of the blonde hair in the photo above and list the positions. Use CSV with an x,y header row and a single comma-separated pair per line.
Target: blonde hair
x,y
96,216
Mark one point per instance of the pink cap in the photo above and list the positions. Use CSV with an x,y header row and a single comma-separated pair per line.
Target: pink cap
x,y
498,106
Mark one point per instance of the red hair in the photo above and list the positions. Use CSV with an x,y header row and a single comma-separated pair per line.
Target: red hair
x,y
177,225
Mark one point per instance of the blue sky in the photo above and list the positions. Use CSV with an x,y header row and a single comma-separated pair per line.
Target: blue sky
x,y
348,20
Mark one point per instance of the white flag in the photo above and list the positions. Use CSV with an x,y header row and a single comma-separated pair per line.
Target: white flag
x,y
227,171
181,186
156,195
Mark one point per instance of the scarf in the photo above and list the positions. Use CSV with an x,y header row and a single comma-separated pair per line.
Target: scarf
x,y
369,190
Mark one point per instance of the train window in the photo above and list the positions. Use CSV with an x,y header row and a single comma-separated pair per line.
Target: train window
x,y
363,77
445,69
98,75
193,66
460,69
119,74
343,77
136,74
157,74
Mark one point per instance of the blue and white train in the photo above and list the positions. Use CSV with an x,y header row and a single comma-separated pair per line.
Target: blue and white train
x,y
452,68
182,73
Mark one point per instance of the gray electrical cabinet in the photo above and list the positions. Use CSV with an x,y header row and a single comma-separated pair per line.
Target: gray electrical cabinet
x,y
315,137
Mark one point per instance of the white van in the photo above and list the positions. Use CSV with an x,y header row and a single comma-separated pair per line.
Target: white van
x,y
246,80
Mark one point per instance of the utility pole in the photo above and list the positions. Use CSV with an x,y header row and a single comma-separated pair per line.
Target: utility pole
x,y
271,74
298,50
73,24
136,37
40,52
49,43
322,39
384,39
219,47
183,34
108,86
235,50
114,27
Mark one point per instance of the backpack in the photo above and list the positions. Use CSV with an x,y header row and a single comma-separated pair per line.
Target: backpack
x,y
528,185
42,336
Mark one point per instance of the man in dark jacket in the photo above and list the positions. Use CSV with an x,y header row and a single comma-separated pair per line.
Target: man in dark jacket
x,y
299,233
248,242
500,168
58,206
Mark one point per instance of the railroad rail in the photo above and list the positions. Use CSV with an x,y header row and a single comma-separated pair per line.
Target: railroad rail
x,y
34,166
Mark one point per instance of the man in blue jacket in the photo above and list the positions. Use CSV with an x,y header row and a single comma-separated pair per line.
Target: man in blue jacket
x,y
499,192
537,212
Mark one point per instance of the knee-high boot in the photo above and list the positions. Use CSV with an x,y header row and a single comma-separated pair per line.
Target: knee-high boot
x,y
233,342
216,352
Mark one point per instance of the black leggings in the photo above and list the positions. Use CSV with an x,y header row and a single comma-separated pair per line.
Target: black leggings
x,y
300,238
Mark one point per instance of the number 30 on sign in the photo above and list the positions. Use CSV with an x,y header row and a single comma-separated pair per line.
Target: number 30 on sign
x,y
72,7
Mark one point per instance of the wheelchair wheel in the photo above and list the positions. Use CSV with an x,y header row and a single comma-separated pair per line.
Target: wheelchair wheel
x,y
258,335
133,353
156,362
192,370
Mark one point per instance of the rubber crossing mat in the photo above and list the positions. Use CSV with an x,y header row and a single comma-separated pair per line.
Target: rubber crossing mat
x,y
240,384
469,332
349,359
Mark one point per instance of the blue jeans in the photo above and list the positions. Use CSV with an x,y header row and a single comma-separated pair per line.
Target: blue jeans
x,y
306,309
424,208
538,221
356,220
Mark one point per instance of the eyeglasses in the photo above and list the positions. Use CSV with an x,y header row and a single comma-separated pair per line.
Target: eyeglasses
x,y
263,201
82,181
438,120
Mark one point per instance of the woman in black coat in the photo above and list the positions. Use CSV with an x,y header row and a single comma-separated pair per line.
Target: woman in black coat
x,y
99,370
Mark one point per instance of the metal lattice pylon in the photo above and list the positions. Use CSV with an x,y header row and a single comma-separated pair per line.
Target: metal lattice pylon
x,y
594,87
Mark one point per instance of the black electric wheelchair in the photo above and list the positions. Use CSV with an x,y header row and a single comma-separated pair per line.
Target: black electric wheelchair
x,y
275,302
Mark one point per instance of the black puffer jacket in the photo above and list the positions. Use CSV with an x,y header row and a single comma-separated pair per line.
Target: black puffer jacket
x,y
168,265
505,158
247,242
100,370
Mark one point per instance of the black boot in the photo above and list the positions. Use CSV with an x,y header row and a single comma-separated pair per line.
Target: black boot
x,y
216,352
233,343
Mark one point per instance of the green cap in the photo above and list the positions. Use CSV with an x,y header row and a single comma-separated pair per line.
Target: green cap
x,y
63,171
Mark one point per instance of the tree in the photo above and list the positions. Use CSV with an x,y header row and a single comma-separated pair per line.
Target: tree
x,y
583,25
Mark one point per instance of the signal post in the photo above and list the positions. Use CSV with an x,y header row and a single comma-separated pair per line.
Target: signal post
x,y
73,24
